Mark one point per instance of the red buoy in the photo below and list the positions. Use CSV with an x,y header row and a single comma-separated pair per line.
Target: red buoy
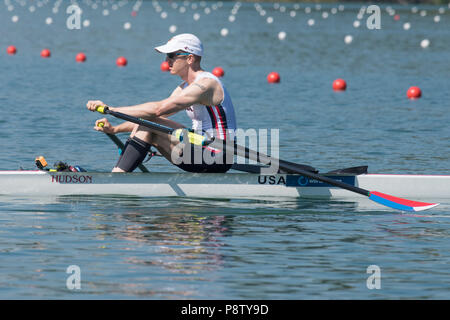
x,y
397,17
11,50
133,13
414,93
80,57
45,53
121,62
165,66
218,72
339,85
273,77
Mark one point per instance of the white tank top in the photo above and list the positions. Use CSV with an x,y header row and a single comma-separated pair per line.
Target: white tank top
x,y
219,120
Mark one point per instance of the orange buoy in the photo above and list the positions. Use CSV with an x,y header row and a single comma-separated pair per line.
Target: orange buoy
x,y
165,66
11,50
80,57
218,72
414,93
121,62
45,53
339,85
273,77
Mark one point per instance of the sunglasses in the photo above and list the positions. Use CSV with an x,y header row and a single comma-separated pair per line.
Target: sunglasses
x,y
172,55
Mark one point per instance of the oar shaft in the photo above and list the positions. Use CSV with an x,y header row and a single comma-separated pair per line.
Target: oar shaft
x,y
140,121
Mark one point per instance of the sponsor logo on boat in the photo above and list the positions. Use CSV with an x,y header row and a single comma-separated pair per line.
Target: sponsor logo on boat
x,y
65,178
301,181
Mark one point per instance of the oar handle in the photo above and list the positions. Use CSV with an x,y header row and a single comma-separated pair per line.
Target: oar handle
x,y
102,109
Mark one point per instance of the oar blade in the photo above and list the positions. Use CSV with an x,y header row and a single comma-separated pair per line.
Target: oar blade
x,y
400,203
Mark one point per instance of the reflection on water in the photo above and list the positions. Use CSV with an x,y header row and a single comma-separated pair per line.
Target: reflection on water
x,y
186,244
196,248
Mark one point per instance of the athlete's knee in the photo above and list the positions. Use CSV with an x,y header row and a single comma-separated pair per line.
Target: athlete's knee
x,y
144,134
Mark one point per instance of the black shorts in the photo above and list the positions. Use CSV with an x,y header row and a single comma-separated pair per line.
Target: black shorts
x,y
204,160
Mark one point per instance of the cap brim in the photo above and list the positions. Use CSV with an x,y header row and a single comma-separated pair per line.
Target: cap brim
x,y
166,48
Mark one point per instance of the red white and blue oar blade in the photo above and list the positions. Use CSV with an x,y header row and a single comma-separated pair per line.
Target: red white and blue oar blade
x,y
399,203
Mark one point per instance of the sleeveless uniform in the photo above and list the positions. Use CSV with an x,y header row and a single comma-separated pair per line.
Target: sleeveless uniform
x,y
218,121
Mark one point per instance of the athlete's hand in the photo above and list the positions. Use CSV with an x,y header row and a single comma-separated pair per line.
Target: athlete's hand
x,y
93,104
103,125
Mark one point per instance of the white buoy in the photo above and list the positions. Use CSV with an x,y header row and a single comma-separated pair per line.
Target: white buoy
x,y
356,24
231,18
407,26
269,20
127,26
311,22
173,28
348,39
196,16
86,23
282,35
105,12
425,43
48,21
437,19
14,19
224,32
324,15
292,14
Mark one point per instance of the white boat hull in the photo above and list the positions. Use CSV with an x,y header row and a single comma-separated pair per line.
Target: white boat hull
x,y
229,185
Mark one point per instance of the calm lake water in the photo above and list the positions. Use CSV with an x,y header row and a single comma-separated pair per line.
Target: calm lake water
x,y
138,248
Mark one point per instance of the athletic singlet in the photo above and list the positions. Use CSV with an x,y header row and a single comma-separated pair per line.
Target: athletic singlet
x,y
218,121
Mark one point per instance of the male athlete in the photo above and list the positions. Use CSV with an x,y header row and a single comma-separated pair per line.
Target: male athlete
x,y
204,98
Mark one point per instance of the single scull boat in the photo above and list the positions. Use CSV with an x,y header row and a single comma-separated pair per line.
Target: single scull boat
x,y
215,185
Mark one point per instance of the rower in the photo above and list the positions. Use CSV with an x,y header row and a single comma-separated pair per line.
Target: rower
x,y
205,100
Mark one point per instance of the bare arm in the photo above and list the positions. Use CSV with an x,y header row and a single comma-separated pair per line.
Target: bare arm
x,y
201,92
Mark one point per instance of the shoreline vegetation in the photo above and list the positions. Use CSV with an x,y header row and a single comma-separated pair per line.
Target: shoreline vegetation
x,y
404,2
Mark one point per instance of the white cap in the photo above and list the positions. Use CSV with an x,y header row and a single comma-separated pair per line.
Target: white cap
x,y
186,42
